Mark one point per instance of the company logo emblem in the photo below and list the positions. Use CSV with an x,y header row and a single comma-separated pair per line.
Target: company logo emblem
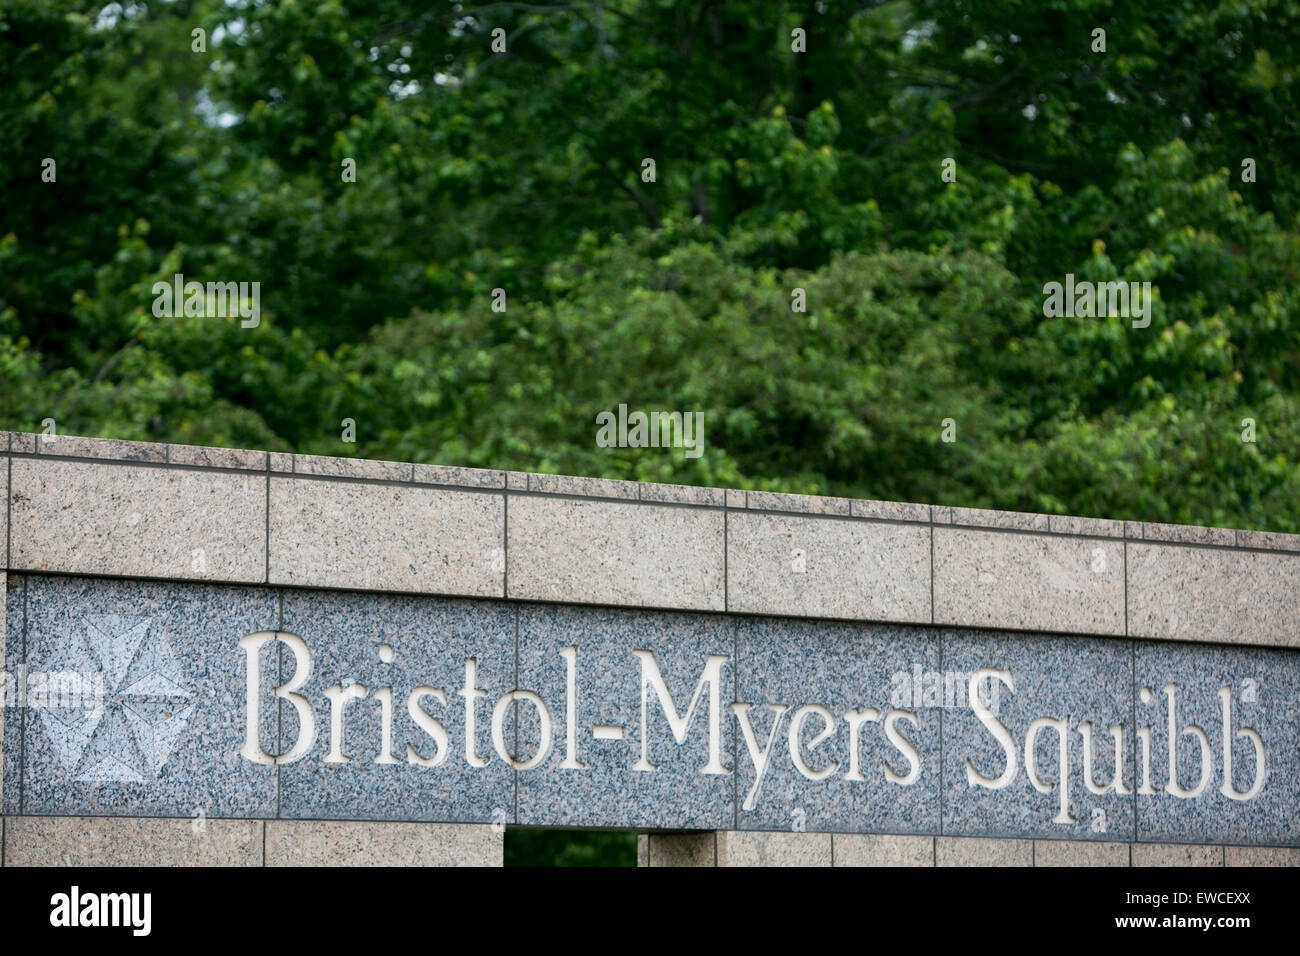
x,y
147,701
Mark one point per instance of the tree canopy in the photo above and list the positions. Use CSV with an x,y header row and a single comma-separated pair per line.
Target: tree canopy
x,y
794,146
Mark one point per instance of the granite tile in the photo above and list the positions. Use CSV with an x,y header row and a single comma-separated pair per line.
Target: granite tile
x,y
776,501
460,477
517,480
150,721
1268,540
811,670
114,519
1006,520
117,842
324,466
739,848
1080,853
105,449
607,552
321,843
1213,594
681,849
431,640
386,537
890,510
1066,679
800,504
872,849
12,725
973,851
825,567
1211,802
4,515
1261,856
682,494
1164,854
7,687
22,443
690,786
735,498
280,462
216,457
1086,527
1188,534
1028,581
586,487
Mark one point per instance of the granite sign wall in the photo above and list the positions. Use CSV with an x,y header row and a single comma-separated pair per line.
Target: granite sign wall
x,y
171,699
216,655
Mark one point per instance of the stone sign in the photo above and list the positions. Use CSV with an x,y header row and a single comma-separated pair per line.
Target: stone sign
x,y
175,699
241,657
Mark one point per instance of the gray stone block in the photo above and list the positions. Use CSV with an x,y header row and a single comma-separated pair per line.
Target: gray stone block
x,y
386,537
681,849
800,504
859,676
826,567
682,494
144,712
1080,853
107,841
871,849
622,553
738,848
890,510
330,467
1188,534
1028,581
973,851
320,843
1261,856
691,785
1064,679
1262,692
217,457
586,487
460,477
6,686
1167,854
1268,540
105,449
12,725
22,443
430,639
1213,594
1087,527
1007,520
111,519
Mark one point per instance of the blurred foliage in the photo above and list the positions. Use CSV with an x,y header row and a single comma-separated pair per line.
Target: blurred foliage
x,y
775,171
526,847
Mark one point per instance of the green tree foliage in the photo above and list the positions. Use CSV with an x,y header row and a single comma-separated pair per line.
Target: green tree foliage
x,y
775,170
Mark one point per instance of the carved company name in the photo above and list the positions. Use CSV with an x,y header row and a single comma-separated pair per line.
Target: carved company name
x,y
806,728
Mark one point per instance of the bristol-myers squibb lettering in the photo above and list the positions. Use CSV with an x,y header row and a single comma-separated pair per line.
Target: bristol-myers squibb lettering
x,y
800,729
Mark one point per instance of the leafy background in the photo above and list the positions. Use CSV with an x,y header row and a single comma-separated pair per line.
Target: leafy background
x,y
775,170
